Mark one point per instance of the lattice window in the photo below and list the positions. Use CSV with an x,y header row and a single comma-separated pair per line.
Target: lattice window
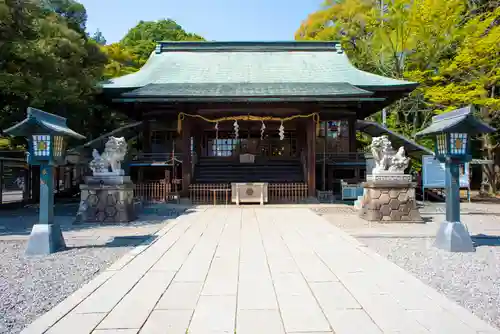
x,y
224,147
458,143
442,148
58,146
41,145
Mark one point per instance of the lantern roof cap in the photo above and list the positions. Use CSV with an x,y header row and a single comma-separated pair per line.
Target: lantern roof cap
x,y
458,121
41,122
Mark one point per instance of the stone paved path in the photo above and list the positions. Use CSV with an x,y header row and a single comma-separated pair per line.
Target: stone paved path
x,y
256,270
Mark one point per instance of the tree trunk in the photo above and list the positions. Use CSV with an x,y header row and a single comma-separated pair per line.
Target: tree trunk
x,y
491,171
491,174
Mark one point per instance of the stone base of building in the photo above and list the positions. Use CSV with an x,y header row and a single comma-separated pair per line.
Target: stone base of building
x,y
107,203
390,201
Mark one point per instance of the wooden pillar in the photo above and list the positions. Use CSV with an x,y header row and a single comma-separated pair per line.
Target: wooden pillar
x,y
298,136
197,141
186,156
301,136
140,174
329,178
323,167
146,136
352,135
311,156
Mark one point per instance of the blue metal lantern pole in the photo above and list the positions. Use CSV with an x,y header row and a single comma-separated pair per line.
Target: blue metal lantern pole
x,y
452,183
452,234
46,194
46,236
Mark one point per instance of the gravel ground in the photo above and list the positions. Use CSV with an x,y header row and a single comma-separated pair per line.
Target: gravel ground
x,y
470,279
29,287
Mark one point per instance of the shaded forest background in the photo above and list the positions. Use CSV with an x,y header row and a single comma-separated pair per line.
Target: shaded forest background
x,y
49,60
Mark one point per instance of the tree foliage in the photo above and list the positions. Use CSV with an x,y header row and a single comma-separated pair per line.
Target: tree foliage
x,y
141,39
121,61
44,62
452,48
49,61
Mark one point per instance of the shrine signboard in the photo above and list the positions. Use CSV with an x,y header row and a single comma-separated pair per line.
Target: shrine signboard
x,y
433,173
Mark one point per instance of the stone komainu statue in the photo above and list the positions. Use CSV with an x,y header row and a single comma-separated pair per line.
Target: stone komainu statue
x,y
112,156
385,158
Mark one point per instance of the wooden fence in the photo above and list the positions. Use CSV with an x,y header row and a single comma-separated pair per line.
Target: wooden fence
x,y
287,192
210,193
154,192
220,193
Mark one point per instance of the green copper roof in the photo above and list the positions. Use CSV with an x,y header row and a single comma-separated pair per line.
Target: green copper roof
x,y
39,122
248,89
460,121
266,63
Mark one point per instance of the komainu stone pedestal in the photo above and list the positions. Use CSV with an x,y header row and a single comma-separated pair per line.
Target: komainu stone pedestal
x,y
390,201
107,200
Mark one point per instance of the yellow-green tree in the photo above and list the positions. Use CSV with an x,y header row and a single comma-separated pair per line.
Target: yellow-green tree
x,y
472,76
121,61
452,48
404,39
141,39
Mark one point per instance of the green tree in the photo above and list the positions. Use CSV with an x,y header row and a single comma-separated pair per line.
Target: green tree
x,y
472,76
403,39
450,47
141,39
73,12
98,37
44,63
121,61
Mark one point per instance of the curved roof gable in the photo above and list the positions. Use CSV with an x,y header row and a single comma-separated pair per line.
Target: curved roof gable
x,y
252,62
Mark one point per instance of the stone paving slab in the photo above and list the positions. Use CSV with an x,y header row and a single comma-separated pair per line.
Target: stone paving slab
x,y
256,270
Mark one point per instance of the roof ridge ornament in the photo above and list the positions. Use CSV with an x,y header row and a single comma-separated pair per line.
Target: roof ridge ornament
x,y
158,48
247,46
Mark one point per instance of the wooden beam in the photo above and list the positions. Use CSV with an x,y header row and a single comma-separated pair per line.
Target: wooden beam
x,y
197,140
146,136
311,156
352,134
186,156
323,167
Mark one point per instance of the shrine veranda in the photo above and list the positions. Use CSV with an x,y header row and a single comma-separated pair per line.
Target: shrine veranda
x,y
291,109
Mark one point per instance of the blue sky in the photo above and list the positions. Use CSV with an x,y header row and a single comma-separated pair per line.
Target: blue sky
x,y
221,20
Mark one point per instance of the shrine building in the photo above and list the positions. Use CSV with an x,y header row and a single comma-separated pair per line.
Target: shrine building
x,y
211,114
